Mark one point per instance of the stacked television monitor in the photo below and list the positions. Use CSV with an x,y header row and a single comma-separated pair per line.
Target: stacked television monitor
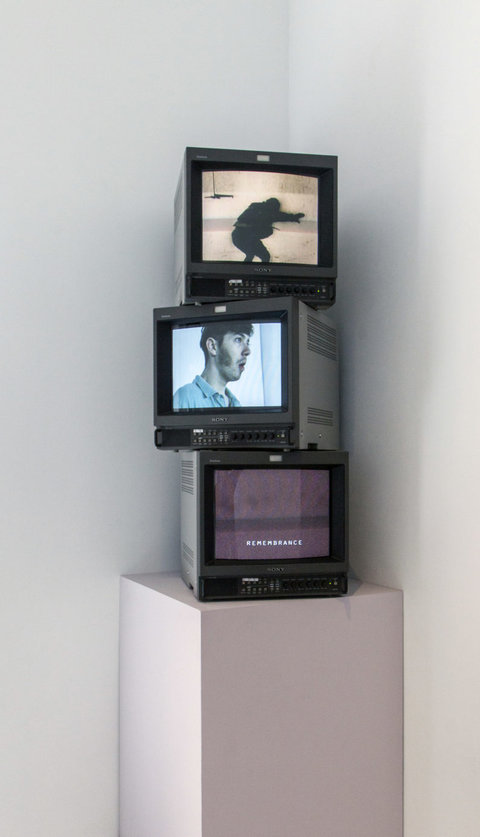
x,y
252,224
246,376
282,389
257,524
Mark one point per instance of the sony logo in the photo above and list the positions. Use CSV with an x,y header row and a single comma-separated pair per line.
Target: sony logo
x,y
262,269
220,419
275,569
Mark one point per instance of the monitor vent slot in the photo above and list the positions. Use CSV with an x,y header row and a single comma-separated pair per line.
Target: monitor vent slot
x,y
316,416
187,477
187,554
178,204
321,338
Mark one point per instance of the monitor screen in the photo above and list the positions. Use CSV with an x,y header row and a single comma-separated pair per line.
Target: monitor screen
x,y
227,363
265,514
259,216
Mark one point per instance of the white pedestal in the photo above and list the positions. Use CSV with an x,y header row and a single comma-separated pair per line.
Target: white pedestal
x,y
279,718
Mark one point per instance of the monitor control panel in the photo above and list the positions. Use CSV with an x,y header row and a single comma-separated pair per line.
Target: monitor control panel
x,y
240,437
316,293
261,587
273,586
322,291
279,436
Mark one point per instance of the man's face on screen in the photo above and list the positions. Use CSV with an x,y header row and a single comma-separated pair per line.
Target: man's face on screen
x,y
232,355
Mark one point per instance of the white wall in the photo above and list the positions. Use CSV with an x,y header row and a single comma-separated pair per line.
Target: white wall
x,y
99,99
393,88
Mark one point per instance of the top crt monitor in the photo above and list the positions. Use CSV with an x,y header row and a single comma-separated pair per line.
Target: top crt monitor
x,y
256,224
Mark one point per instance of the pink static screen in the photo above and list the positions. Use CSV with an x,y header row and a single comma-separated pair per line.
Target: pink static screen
x,y
272,514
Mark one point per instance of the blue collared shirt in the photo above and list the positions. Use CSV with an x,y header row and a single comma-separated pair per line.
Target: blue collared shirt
x,y
200,394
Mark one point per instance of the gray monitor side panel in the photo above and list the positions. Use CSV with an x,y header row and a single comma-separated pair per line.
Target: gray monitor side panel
x,y
189,537
179,239
318,380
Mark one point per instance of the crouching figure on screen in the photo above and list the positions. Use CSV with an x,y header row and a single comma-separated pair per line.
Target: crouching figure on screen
x,y
255,223
226,347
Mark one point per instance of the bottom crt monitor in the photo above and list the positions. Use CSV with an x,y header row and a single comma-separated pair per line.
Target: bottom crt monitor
x,y
263,515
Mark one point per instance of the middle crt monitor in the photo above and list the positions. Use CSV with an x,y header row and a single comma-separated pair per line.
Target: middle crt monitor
x,y
243,374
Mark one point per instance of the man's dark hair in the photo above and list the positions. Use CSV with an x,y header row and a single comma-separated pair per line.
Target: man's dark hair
x,y
220,329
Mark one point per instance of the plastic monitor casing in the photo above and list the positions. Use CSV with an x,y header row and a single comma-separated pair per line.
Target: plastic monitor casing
x,y
249,579
200,281
310,364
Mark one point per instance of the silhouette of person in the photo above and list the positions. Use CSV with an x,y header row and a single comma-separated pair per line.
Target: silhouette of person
x,y
255,223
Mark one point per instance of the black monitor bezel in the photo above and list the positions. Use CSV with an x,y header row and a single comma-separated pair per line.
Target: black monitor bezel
x,y
323,167
167,319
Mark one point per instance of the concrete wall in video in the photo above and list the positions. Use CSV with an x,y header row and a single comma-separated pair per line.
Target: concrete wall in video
x,y
259,216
